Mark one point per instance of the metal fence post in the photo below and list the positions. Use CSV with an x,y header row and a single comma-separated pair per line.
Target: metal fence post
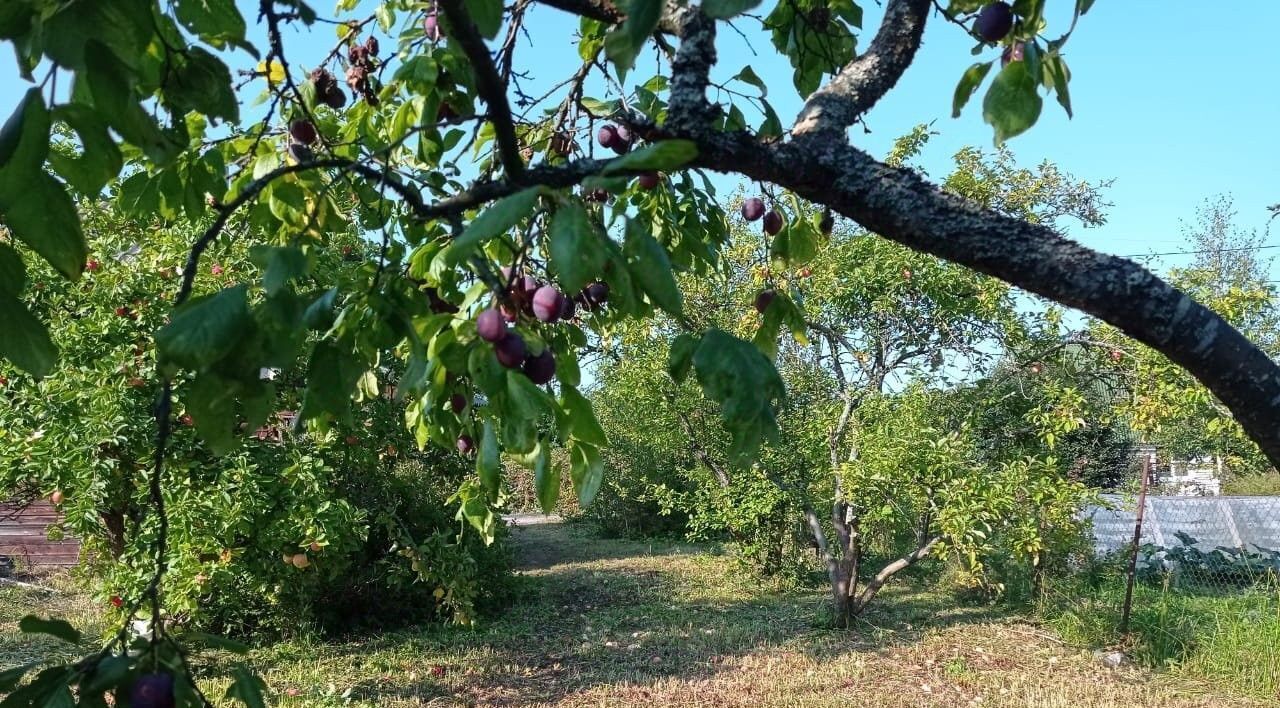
x,y
1137,540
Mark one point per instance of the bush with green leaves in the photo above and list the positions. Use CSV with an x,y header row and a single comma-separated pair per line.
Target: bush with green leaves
x,y
339,504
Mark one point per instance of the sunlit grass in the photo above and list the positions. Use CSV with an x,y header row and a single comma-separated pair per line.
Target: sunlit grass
x,y
610,622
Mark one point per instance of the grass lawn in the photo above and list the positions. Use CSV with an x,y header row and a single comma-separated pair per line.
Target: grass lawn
x,y
607,622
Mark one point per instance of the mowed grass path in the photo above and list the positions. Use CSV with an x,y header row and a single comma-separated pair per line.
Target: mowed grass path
x,y
620,623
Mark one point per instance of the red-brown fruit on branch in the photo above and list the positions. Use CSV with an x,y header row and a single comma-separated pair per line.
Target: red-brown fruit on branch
x,y
152,691
458,402
490,326
541,368
607,136
764,299
595,295
466,445
510,350
649,180
546,304
303,131
772,223
752,208
431,27
994,21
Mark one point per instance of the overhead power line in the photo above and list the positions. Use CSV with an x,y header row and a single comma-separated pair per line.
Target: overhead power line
x,y
1200,252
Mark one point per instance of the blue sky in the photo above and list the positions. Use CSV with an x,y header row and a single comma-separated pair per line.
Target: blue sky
x,y
1174,101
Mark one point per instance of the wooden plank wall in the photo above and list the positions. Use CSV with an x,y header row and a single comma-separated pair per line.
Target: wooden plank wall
x,y
24,536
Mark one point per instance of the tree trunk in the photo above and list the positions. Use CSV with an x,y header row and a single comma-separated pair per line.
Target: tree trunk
x,y
877,583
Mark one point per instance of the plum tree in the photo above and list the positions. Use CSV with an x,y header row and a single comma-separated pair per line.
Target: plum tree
x,y
444,164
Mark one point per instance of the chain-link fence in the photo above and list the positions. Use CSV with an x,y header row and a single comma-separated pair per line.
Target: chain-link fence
x,y
1212,544
1199,590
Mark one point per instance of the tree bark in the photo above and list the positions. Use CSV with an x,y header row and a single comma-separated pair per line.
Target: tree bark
x,y
877,583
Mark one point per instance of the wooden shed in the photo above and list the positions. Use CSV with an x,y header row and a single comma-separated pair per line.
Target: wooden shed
x,y
24,536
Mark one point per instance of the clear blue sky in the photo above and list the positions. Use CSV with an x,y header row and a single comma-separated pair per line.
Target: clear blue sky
x,y
1175,101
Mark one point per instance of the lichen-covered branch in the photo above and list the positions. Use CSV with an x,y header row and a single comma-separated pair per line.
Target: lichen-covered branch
x,y
866,79
898,204
688,108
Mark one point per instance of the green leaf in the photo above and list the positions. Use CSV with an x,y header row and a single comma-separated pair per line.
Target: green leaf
x,y
332,374
218,642
487,16
665,155
107,674
61,629
1012,104
33,205
99,159
576,253
13,274
206,329
212,404
15,21
546,480
280,265
43,216
488,461
497,219
651,267
202,83
624,43
1061,75
680,360
116,100
49,689
217,22
524,397
247,687
724,9
969,82
24,139
587,471
25,341
10,677
745,383
582,419
748,76
319,314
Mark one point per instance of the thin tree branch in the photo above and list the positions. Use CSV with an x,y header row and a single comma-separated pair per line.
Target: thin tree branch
x,y
875,584
863,81
488,84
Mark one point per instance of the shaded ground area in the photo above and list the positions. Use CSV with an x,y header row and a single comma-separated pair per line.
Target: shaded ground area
x,y
607,622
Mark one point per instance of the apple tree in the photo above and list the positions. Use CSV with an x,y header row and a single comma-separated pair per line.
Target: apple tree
x,y
414,129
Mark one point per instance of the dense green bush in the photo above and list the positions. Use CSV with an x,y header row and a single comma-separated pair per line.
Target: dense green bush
x,y
366,514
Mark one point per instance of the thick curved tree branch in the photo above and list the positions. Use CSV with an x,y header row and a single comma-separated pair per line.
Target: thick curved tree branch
x,y
898,204
601,10
608,12
489,84
862,82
